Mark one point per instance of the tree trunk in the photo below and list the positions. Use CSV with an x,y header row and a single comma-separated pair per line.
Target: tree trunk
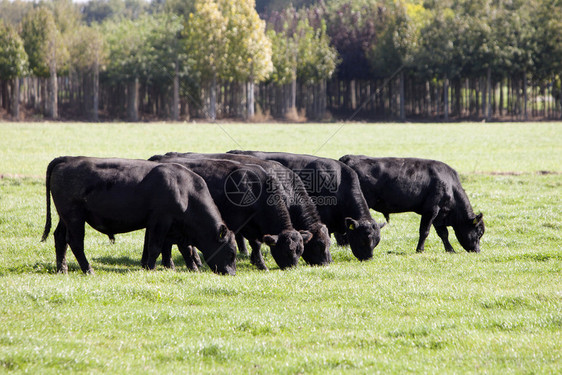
x,y
352,94
4,97
53,112
52,104
16,99
213,98
427,98
489,91
526,117
500,104
402,109
250,101
293,94
176,93
96,92
458,105
446,98
484,90
133,102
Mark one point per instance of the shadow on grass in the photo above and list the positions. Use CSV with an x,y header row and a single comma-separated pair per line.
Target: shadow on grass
x,y
118,261
402,253
119,264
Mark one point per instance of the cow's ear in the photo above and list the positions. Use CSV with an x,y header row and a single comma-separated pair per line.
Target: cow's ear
x,y
478,218
222,231
351,224
306,235
381,225
270,239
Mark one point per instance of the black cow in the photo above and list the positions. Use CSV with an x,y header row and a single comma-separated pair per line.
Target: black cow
x,y
240,192
120,195
429,188
337,194
303,212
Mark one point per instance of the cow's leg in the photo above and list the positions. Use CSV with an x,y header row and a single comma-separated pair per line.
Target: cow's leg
x,y
241,244
256,257
144,259
75,238
190,256
166,253
425,226
167,260
443,233
196,258
156,233
60,247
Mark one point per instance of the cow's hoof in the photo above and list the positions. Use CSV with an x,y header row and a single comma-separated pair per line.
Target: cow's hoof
x,y
170,266
262,267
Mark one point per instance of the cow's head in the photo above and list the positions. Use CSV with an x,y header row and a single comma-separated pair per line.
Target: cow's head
x,y
363,236
469,233
317,250
287,246
220,251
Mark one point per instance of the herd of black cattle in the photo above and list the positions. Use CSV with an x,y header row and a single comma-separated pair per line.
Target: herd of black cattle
x,y
291,202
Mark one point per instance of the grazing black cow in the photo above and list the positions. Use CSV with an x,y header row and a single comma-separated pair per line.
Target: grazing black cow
x,y
120,195
429,188
304,214
337,194
241,195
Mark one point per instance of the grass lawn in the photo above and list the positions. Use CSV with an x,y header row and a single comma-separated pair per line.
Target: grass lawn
x,y
499,311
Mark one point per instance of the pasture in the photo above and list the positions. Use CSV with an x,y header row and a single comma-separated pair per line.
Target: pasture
x,y
497,311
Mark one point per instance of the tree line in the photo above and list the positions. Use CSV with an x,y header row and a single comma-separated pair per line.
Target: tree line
x,y
348,59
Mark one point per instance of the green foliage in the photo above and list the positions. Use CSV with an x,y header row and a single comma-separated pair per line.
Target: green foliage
x,y
268,6
466,37
13,59
316,59
66,14
86,48
43,42
546,20
284,57
398,40
249,53
166,47
98,11
512,35
146,48
300,50
13,11
437,52
206,41
354,28
227,40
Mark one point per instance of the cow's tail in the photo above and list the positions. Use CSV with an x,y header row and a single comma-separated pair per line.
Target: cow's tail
x,y
50,168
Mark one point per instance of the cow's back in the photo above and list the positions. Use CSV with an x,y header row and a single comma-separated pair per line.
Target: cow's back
x,y
392,185
335,186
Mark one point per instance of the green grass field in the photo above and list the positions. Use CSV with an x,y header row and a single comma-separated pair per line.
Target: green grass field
x,y
499,311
